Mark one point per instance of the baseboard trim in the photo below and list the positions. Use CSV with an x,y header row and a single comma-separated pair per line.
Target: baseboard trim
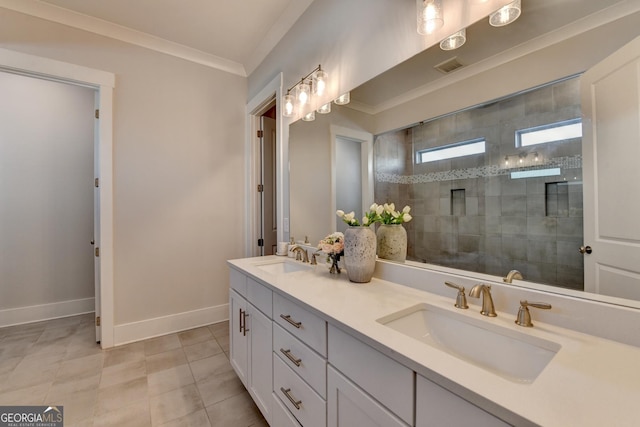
x,y
38,313
150,328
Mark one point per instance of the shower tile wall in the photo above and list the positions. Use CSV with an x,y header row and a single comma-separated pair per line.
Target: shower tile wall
x,y
469,213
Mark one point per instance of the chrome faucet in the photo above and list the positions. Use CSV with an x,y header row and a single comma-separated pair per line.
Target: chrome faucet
x,y
301,253
487,301
513,274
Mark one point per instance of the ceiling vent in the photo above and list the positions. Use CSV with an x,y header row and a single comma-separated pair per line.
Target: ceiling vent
x,y
449,65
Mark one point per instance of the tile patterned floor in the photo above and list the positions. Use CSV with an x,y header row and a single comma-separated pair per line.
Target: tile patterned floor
x,y
182,379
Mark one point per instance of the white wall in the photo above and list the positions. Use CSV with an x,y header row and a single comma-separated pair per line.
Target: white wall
x,y
46,196
178,174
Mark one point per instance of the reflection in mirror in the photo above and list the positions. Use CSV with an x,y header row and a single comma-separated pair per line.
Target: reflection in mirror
x,y
484,197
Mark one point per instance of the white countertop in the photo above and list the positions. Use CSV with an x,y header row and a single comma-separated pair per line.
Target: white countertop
x,y
591,381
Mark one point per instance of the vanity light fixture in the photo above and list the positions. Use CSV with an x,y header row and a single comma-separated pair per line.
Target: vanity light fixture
x,y
429,16
325,109
506,14
506,160
343,99
455,40
312,84
309,117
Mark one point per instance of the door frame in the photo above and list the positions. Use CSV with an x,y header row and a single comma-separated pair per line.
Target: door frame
x,y
255,107
103,82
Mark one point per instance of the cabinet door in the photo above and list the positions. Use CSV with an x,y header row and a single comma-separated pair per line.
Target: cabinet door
x,y
436,406
238,344
260,364
349,406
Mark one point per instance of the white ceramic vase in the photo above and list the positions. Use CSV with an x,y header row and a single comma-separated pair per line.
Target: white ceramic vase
x,y
360,253
392,242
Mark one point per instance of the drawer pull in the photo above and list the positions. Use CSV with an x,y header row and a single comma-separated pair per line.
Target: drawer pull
x,y
240,319
287,353
292,399
243,322
293,322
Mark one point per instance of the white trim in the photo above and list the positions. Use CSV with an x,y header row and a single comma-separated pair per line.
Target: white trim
x,y
118,32
583,25
149,328
253,108
103,82
366,166
38,313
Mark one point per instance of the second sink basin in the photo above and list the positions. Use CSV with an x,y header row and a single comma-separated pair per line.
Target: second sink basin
x,y
512,355
283,266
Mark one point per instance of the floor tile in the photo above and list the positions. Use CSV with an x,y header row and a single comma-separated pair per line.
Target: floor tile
x,y
80,368
136,415
236,411
195,419
166,360
218,388
169,379
211,366
123,372
117,396
125,354
224,342
202,350
161,344
195,336
220,329
175,404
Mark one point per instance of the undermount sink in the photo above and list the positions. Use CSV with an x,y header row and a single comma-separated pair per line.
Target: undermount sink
x,y
283,266
512,355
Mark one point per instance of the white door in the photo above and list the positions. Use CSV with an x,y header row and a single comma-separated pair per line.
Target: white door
x,y
611,149
96,220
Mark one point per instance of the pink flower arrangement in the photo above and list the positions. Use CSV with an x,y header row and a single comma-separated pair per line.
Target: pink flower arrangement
x,y
333,244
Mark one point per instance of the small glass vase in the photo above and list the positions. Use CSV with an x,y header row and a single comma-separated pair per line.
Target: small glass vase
x,y
360,253
392,242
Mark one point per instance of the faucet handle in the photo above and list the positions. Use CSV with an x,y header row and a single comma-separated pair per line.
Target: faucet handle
x,y
524,317
461,299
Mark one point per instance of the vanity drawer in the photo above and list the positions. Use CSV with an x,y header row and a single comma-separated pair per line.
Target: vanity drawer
x,y
280,415
383,378
260,296
300,323
309,408
301,359
238,281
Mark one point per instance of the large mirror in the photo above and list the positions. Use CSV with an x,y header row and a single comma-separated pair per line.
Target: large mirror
x,y
399,110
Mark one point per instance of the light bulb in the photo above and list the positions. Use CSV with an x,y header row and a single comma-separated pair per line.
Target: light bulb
x,y
506,160
309,117
320,82
343,99
429,16
303,92
325,109
506,14
288,103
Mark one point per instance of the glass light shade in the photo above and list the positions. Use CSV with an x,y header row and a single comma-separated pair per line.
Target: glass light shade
x,y
288,103
303,93
506,14
343,99
320,82
325,109
309,117
455,40
429,16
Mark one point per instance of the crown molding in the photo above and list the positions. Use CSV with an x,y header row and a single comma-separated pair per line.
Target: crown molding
x,y
559,35
101,27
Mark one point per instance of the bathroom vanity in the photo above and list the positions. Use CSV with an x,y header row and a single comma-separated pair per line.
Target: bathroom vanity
x,y
314,349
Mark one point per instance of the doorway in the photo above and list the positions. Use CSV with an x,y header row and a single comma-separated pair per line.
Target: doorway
x,y
47,217
267,136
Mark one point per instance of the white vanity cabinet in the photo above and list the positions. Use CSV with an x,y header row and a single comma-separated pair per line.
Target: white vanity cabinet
x,y
299,362
365,386
436,406
251,338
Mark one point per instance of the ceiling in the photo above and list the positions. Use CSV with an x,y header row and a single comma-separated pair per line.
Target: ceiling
x,y
240,32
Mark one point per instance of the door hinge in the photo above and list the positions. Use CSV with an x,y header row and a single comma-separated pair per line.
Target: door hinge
x,y
260,134
260,188
97,320
97,252
96,182
97,114
260,242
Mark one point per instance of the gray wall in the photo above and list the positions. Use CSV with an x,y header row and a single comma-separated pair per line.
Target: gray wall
x,y
469,213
